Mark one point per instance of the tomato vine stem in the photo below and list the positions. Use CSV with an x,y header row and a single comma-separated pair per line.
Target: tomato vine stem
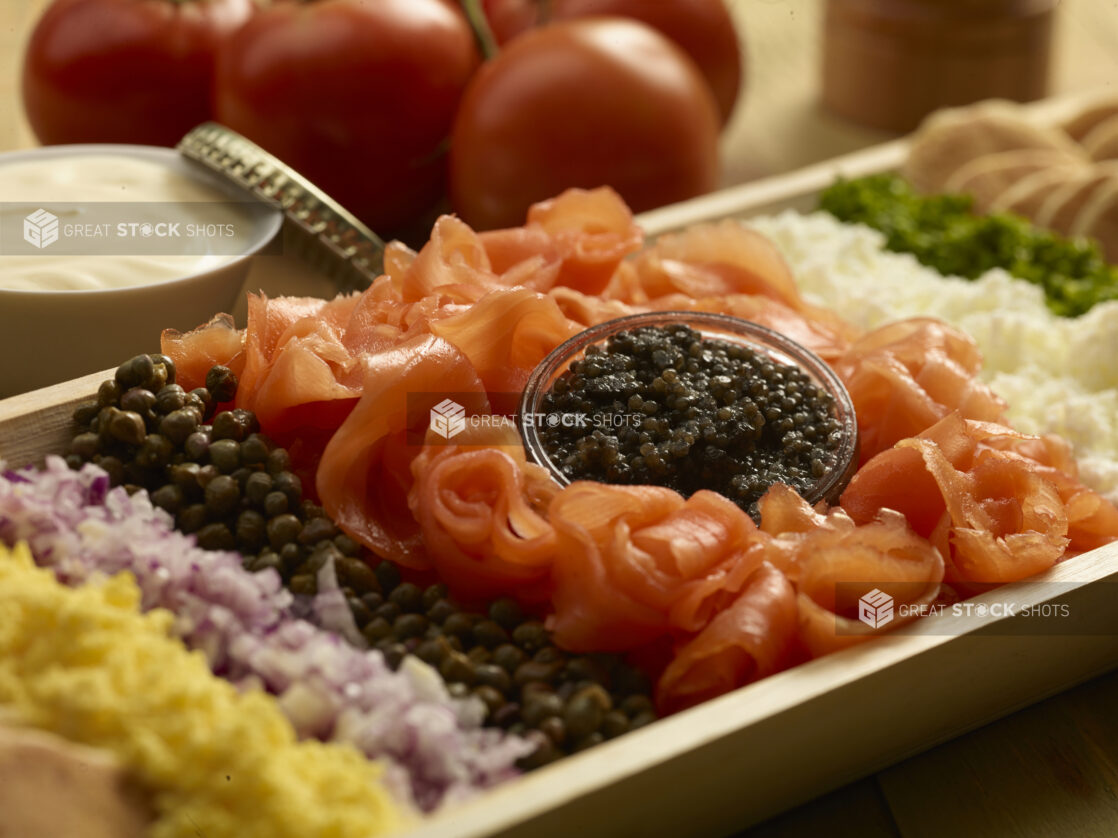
x,y
475,14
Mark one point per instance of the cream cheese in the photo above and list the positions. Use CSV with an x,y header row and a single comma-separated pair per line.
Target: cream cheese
x,y
90,179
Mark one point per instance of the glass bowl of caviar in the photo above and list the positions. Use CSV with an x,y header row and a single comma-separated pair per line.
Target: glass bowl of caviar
x,y
691,401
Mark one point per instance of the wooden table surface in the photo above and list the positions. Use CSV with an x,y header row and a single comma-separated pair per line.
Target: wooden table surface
x,y
1048,770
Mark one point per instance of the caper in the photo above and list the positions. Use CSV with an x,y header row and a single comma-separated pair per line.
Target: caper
x,y
440,610
372,599
254,450
113,467
196,445
506,613
545,754
268,561
509,657
318,529
388,574
361,612
540,705
200,398
588,741
169,372
491,698
641,719
554,729
292,557
530,636
222,496
135,371
177,425
303,584
138,400
168,497
584,711
432,594
221,382
170,398
126,426
247,420
431,651
409,625
458,625
282,529
275,504
457,667
534,671
185,476
85,445
614,723
225,454
495,676
257,487
86,412
389,610
355,572
155,451
408,596
634,705
489,634
108,394
216,536
290,485
278,460
347,545
376,629
226,426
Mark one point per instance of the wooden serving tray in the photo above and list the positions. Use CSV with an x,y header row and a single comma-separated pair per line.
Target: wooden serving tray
x,y
736,760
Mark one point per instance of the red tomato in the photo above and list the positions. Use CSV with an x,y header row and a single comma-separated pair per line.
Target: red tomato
x,y
508,18
586,103
703,28
124,71
357,96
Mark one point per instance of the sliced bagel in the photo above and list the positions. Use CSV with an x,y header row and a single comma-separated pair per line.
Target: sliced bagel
x,y
1101,143
949,139
989,175
1099,219
1026,196
1063,207
1080,125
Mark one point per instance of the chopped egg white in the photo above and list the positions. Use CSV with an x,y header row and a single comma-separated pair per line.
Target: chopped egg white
x,y
1058,375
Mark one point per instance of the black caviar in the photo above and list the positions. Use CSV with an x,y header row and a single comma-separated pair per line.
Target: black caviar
x,y
663,405
229,485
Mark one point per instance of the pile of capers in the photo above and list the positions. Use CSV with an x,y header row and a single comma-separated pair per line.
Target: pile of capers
x,y
228,484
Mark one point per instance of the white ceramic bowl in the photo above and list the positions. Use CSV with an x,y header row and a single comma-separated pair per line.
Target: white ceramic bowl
x,y
52,336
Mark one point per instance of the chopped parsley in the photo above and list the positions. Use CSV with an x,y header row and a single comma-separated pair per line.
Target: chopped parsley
x,y
943,232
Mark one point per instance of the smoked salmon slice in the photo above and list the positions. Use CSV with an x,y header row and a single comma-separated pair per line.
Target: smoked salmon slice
x,y
749,639
482,510
577,240
635,562
907,375
364,475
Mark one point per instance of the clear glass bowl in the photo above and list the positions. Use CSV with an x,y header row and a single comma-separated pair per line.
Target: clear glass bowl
x,y
844,461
